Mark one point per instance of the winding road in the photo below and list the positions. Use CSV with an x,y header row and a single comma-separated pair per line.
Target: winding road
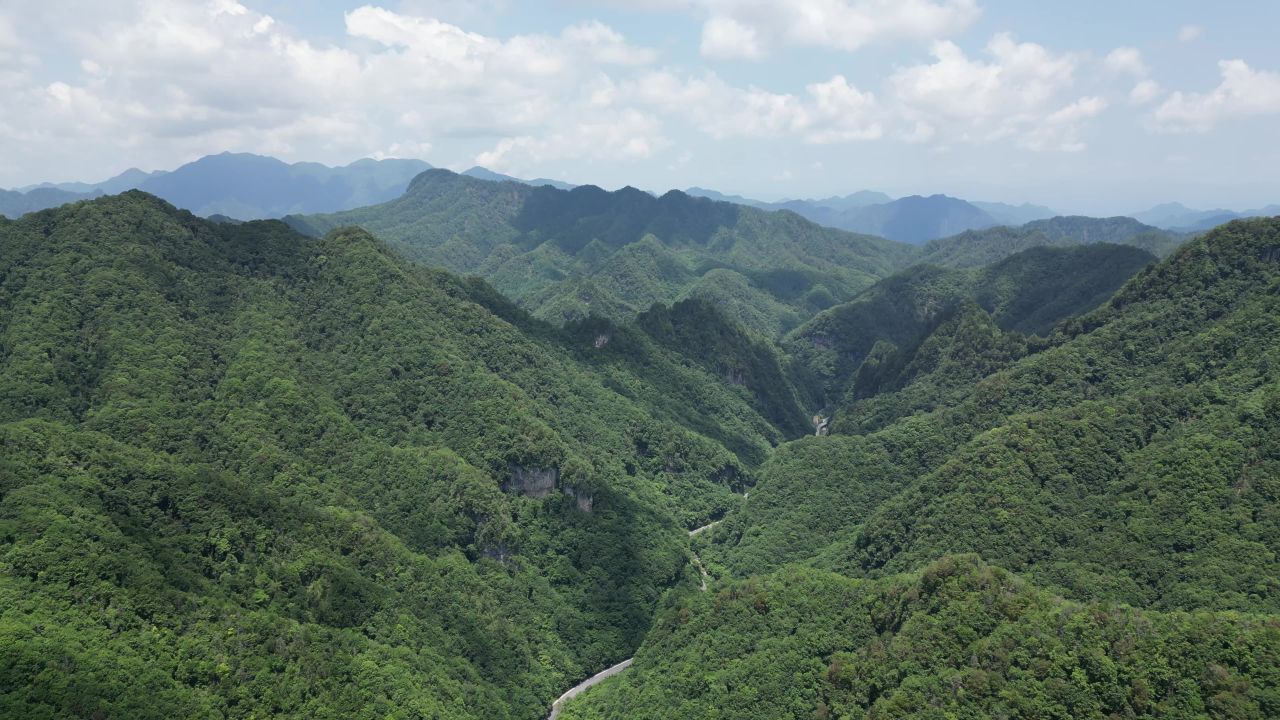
x,y
607,673
572,692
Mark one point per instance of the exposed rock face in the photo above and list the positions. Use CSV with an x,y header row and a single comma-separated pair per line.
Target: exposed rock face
x,y
500,553
820,425
585,500
539,483
532,482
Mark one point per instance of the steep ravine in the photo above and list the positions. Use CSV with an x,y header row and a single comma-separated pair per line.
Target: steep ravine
x,y
609,672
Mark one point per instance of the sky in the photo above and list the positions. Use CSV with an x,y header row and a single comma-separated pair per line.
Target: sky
x,y
1084,106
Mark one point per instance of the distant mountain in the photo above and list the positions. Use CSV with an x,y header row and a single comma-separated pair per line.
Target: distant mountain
x,y
481,173
246,186
912,219
822,211
1008,214
14,203
566,255
241,186
982,247
721,197
127,180
1176,216
859,199
917,219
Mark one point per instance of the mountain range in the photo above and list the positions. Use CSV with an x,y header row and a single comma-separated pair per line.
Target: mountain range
x,y
913,219
1124,469
1176,216
568,254
244,186
450,453
565,255
240,186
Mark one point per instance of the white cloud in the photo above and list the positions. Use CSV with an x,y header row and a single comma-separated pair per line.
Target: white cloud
x,y
831,111
155,82
1060,129
1243,92
726,38
627,135
1187,33
606,45
1144,92
752,28
1128,61
841,113
1013,94
170,79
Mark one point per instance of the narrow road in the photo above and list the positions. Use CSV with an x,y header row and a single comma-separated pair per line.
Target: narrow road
x,y
607,673
572,692
695,531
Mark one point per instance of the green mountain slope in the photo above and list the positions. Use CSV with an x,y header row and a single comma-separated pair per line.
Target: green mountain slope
x,y
541,246
959,639
1134,458
250,474
1027,292
982,247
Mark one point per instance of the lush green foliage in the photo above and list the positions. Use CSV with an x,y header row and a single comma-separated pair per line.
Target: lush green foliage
x,y
1135,458
1028,292
975,248
248,474
959,639
567,254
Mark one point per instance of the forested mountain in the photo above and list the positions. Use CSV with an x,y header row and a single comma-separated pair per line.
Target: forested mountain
x,y
241,186
1129,463
565,255
247,473
250,472
1028,292
982,247
957,639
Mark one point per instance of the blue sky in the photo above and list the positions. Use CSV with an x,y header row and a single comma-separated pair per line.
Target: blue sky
x,y
1084,106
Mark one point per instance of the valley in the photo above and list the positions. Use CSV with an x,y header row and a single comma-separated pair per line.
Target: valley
x,y
665,360
566,492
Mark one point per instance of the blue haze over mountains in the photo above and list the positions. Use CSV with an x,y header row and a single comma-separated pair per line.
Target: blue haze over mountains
x,y
245,186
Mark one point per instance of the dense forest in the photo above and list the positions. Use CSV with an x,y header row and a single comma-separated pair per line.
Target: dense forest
x,y
568,254
250,474
1126,467
249,471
